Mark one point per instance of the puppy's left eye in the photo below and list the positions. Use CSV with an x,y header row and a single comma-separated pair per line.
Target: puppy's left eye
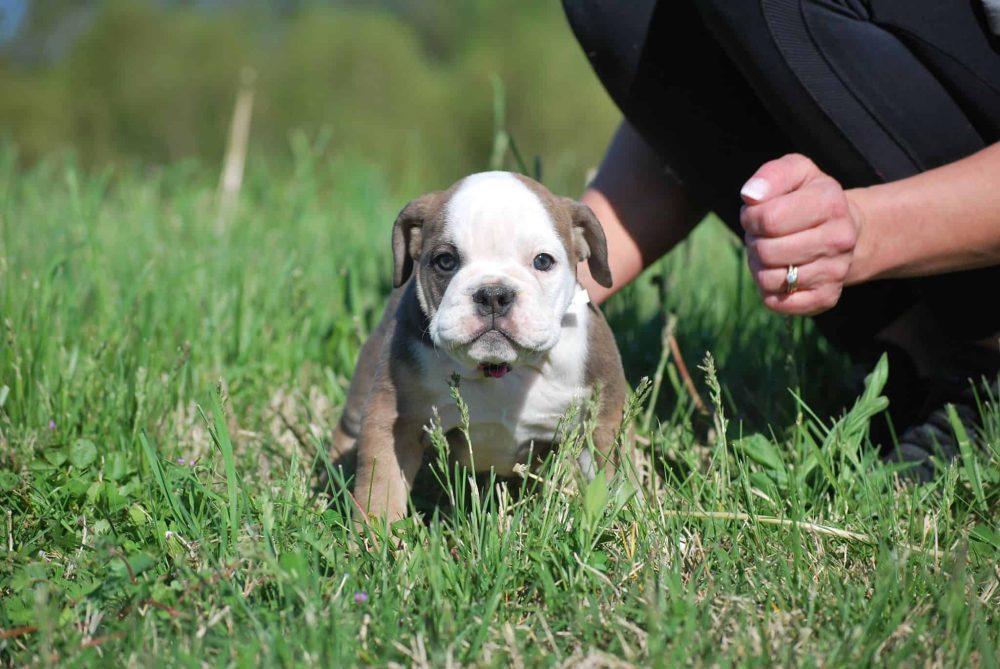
x,y
543,262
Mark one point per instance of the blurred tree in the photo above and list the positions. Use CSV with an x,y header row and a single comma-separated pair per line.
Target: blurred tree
x,y
11,14
404,84
49,29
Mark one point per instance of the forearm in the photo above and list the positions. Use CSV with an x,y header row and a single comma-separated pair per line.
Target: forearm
x,y
942,220
644,211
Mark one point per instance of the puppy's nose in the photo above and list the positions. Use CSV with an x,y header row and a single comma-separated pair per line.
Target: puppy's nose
x,y
493,300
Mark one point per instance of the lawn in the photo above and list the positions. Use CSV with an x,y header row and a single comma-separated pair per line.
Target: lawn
x,y
169,382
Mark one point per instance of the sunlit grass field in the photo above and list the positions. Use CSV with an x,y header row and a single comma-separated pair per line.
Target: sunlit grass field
x,y
169,382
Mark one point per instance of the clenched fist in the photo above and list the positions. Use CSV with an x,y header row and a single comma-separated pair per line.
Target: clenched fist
x,y
797,216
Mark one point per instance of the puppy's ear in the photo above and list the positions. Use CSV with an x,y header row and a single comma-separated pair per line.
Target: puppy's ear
x,y
407,237
588,241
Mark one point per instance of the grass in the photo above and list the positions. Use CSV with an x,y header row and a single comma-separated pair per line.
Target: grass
x,y
166,393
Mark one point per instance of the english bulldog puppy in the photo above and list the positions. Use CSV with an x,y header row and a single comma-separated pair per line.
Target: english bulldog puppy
x,y
486,289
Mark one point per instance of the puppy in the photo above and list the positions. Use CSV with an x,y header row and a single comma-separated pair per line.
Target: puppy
x,y
486,289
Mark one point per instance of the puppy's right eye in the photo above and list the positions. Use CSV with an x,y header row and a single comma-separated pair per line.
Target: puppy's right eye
x,y
446,262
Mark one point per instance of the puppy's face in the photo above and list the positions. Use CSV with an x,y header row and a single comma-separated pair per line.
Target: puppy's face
x,y
495,261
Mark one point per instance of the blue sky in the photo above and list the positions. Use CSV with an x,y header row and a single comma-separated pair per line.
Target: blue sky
x,y
11,14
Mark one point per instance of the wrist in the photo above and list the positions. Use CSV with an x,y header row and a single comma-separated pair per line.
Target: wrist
x,y
861,260
865,263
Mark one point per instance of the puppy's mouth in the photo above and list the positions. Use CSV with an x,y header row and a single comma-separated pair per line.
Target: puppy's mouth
x,y
494,352
495,370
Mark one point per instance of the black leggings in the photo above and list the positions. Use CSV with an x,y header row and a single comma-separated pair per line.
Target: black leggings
x,y
871,90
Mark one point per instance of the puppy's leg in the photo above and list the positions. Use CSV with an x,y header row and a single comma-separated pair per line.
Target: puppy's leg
x,y
604,369
349,426
609,420
390,452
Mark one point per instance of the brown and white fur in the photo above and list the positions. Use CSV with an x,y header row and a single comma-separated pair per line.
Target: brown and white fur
x,y
526,342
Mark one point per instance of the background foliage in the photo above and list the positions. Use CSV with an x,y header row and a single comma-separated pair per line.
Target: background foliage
x,y
404,85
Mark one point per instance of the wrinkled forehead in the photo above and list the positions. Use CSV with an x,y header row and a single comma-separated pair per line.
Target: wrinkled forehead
x,y
495,213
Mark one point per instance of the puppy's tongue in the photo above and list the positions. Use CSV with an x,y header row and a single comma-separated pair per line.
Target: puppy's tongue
x,y
495,371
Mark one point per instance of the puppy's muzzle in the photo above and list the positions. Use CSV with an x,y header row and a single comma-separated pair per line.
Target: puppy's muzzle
x,y
493,300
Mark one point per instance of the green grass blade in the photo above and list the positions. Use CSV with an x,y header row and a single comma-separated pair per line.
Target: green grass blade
x,y
180,513
222,440
970,465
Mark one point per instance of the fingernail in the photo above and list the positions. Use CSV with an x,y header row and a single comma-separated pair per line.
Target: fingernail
x,y
755,189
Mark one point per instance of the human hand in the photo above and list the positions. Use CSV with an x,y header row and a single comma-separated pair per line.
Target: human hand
x,y
795,215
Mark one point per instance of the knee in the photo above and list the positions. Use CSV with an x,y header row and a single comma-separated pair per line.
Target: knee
x,y
612,35
733,14
609,25
729,12
718,5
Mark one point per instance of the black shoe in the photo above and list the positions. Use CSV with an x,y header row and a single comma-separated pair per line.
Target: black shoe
x,y
906,389
931,442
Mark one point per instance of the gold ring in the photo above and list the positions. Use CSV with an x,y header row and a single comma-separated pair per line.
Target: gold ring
x,y
792,279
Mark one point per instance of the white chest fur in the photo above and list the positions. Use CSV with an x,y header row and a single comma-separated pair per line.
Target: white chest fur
x,y
508,414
